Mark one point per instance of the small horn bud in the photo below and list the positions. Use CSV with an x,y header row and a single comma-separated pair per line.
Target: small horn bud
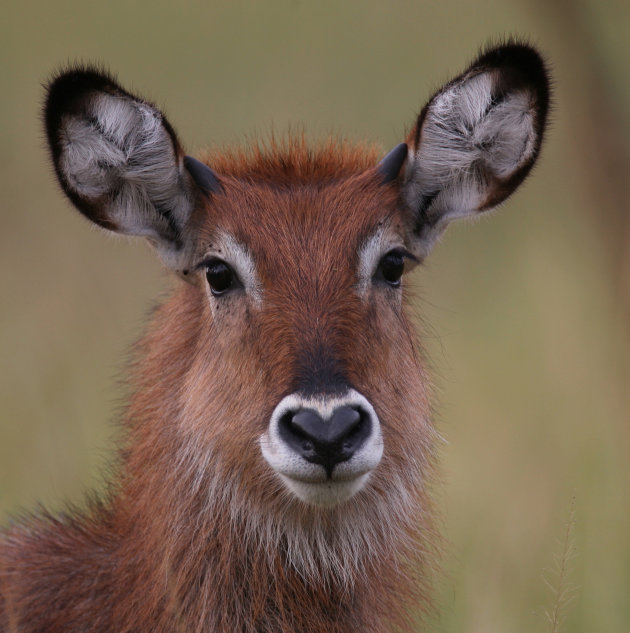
x,y
391,164
202,175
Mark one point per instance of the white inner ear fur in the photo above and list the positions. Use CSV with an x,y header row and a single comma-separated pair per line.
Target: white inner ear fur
x,y
228,249
466,144
119,152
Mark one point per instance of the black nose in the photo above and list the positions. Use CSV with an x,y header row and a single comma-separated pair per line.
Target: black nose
x,y
325,441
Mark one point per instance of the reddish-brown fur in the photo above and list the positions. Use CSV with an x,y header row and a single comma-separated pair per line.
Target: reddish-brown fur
x,y
222,516
154,552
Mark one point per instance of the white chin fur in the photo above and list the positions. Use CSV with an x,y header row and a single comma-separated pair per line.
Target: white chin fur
x,y
307,480
327,493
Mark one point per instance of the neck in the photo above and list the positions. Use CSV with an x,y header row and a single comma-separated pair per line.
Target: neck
x,y
206,554
214,567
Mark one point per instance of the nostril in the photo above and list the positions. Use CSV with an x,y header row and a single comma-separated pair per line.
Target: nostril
x,y
343,423
352,430
300,430
307,423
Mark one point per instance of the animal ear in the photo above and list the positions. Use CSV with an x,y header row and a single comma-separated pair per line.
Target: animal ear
x,y
475,141
119,160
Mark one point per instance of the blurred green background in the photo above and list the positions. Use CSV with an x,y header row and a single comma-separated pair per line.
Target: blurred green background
x,y
529,309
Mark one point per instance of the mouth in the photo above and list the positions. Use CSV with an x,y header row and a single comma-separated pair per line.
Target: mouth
x,y
325,492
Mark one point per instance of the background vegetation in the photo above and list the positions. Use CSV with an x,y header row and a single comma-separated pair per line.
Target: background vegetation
x,y
529,309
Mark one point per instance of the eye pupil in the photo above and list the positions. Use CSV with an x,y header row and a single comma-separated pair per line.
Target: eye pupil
x,y
220,277
392,267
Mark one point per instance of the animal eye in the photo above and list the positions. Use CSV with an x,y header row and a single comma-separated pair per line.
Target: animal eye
x,y
220,276
391,268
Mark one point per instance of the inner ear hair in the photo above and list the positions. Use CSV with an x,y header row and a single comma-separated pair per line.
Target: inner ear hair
x,y
476,139
117,158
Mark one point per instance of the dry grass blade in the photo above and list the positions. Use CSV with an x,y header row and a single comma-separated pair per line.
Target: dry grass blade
x,y
563,592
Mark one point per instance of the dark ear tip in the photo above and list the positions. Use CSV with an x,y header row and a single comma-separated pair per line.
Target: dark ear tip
x,y
511,47
524,66
511,52
78,76
524,60
205,177
391,164
72,83
66,90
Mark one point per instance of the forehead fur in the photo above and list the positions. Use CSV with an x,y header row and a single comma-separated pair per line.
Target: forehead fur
x,y
317,217
293,160
299,207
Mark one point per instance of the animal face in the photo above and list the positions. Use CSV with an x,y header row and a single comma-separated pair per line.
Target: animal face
x,y
302,376
306,310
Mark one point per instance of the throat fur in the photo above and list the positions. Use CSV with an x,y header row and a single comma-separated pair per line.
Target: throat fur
x,y
225,583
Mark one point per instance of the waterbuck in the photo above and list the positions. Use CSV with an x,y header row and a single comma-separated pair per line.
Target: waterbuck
x,y
276,465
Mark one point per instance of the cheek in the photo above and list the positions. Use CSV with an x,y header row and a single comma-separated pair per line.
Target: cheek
x,y
380,340
227,399
224,414
393,377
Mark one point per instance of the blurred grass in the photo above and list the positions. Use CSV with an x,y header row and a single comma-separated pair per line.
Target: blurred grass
x,y
529,309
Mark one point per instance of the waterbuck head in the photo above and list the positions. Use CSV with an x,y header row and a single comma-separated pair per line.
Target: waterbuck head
x,y
286,362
